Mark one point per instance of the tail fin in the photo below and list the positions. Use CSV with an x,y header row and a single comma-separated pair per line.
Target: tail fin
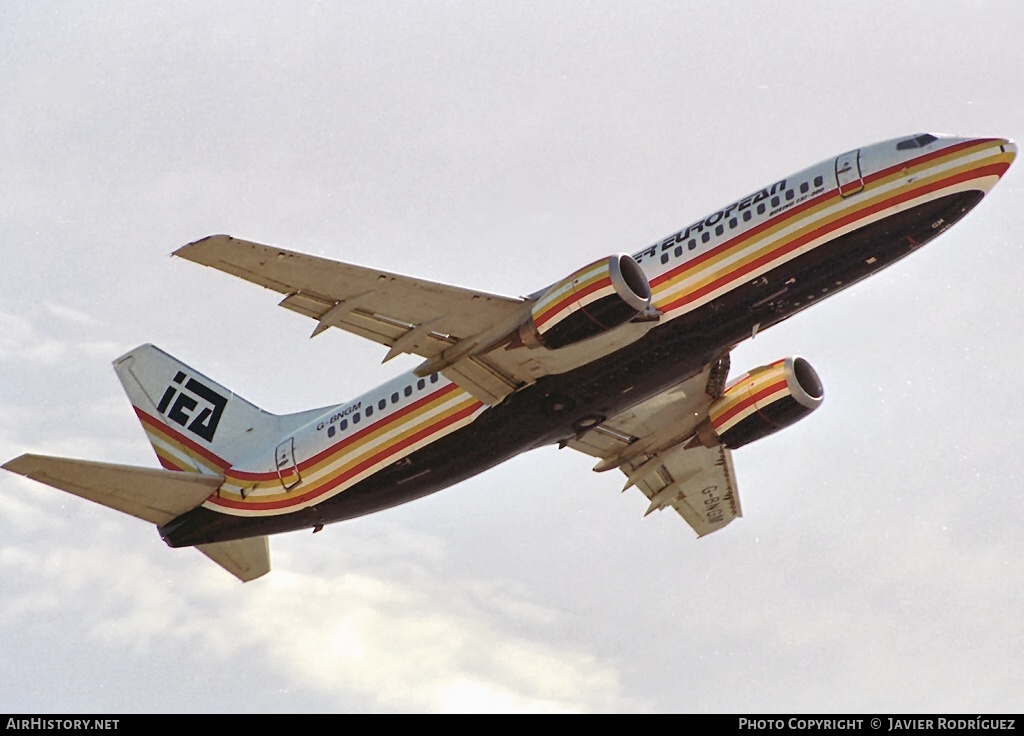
x,y
195,424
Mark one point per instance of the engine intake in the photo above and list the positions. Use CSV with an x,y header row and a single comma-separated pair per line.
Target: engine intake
x,y
593,300
762,402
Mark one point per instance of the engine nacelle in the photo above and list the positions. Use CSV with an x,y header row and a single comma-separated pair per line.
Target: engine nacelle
x,y
762,402
597,298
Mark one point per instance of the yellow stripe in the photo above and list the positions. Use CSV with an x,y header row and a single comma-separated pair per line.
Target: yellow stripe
x,y
351,455
830,210
367,472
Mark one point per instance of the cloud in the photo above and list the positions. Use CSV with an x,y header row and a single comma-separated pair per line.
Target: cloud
x,y
413,643
425,650
22,341
72,315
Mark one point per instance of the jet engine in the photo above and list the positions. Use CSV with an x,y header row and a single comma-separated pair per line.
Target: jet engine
x,y
762,402
593,300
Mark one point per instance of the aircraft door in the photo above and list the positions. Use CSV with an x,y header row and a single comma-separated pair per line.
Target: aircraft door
x,y
287,468
848,175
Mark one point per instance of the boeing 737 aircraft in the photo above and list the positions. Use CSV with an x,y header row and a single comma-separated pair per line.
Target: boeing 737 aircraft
x,y
626,360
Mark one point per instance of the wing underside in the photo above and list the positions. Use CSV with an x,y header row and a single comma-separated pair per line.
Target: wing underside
x,y
455,329
469,336
652,445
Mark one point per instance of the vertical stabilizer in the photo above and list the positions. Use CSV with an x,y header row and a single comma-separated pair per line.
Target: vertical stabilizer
x,y
195,424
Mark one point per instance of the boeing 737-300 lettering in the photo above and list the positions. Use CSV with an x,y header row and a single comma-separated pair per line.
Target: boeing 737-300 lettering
x,y
626,359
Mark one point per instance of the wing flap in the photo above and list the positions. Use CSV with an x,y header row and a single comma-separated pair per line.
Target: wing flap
x,y
482,379
699,483
315,286
462,332
150,494
650,444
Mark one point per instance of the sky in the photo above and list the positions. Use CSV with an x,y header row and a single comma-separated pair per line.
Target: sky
x,y
500,146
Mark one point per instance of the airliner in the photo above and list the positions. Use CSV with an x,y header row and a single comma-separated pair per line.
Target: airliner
x,y
626,359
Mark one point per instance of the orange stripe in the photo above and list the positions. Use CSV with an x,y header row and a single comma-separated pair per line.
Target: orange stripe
x,y
334,450
782,249
334,482
750,399
169,433
566,301
791,214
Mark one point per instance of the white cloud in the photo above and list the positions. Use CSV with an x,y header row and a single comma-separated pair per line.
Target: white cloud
x,y
407,645
22,340
409,648
70,314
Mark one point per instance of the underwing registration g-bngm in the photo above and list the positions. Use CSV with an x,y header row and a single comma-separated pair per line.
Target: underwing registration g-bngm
x,y
625,359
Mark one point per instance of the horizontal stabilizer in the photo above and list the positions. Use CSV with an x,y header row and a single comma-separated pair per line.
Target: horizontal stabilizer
x,y
153,495
149,494
246,559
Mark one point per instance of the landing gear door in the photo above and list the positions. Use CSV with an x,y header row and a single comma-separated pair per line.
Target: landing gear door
x,y
287,468
848,175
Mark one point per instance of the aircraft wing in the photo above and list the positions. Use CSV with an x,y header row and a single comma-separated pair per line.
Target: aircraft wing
x,y
462,333
649,444
454,326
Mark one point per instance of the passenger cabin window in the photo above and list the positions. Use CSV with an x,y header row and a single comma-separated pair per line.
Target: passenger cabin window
x,y
355,418
664,257
433,378
330,431
394,398
342,425
804,187
421,384
818,181
407,391
369,410
381,404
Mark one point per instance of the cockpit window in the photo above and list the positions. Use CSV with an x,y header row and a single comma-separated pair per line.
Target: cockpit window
x,y
916,142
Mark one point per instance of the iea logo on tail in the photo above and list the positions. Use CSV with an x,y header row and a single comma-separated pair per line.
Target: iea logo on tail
x,y
197,408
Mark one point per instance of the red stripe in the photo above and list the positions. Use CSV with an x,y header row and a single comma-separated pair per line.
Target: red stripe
x,y
168,464
168,431
728,244
850,187
350,473
996,169
335,448
573,296
751,399
792,213
925,158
